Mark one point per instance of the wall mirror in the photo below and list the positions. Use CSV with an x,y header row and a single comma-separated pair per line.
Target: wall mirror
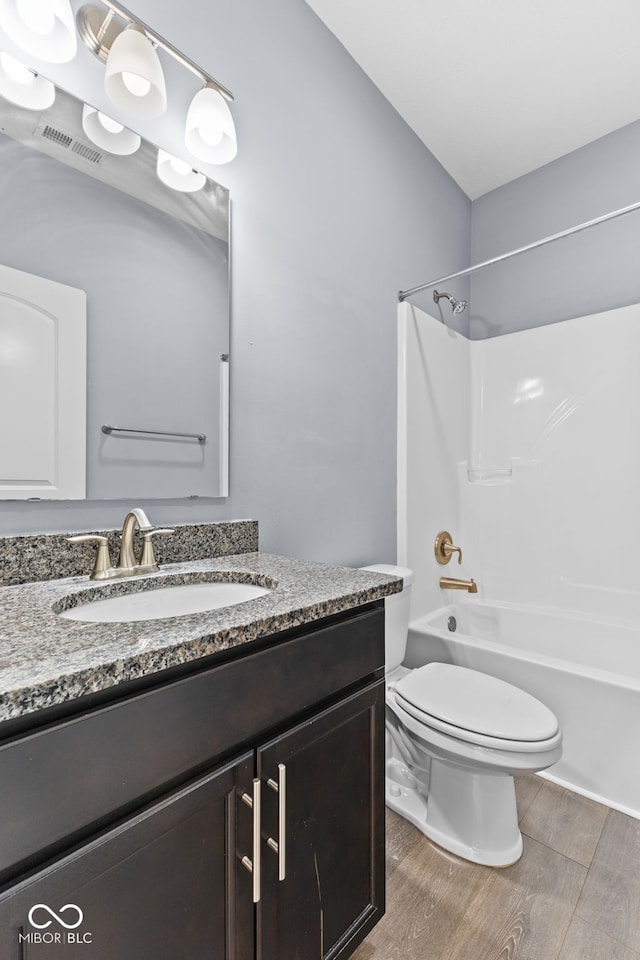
x,y
154,265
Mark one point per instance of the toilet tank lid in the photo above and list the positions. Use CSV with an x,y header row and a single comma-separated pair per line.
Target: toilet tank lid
x,y
392,571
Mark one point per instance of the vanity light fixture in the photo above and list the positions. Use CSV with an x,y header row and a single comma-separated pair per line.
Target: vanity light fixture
x,y
42,28
126,44
177,174
133,76
108,134
22,86
210,133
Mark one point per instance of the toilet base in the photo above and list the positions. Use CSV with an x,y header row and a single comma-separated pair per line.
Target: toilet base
x,y
469,813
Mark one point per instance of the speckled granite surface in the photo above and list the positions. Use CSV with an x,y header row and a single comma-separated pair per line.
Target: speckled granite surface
x,y
47,660
24,559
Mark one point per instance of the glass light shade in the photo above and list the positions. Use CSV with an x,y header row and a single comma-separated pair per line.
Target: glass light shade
x,y
108,134
210,133
133,75
42,28
23,87
109,124
177,174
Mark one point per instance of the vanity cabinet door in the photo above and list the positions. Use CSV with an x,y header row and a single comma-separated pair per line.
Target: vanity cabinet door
x,y
333,890
166,883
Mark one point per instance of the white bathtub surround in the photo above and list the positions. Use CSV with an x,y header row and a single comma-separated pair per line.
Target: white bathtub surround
x,y
433,437
534,469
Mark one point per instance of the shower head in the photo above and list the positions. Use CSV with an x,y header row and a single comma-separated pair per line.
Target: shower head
x,y
456,305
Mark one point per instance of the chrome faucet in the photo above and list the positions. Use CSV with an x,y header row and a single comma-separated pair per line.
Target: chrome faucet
x,y
135,518
128,566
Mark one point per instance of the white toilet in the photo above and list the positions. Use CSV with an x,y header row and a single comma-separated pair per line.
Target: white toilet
x,y
454,739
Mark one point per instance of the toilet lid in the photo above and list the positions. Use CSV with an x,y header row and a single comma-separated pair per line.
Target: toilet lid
x,y
475,702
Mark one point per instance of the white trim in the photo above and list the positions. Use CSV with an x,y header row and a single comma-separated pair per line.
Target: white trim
x,y
402,439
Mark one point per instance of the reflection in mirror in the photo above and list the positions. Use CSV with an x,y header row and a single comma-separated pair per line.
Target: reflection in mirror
x,y
154,265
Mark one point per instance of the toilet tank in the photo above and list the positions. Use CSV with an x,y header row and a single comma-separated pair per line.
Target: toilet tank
x,y
396,615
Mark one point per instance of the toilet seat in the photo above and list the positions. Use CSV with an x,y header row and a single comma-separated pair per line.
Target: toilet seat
x,y
477,708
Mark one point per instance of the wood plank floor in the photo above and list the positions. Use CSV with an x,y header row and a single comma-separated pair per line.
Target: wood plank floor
x,y
574,894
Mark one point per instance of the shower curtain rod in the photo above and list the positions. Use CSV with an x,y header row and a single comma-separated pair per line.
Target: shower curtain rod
x,y
403,294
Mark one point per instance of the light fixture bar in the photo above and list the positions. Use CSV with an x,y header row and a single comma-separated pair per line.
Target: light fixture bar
x,y
105,26
94,38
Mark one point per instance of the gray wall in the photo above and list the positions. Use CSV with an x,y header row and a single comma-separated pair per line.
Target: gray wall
x,y
592,271
336,205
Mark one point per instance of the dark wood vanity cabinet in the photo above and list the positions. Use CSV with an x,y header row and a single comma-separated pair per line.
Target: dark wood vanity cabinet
x,y
298,789
158,885
333,888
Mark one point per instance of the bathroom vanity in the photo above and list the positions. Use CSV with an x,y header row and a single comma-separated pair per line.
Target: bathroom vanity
x,y
216,792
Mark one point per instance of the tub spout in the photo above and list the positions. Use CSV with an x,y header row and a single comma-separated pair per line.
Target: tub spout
x,y
451,583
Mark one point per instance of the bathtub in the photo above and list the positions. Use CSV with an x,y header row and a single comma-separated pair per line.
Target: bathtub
x,y
587,671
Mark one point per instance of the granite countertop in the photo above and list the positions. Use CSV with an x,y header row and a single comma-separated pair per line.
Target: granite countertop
x,y
46,660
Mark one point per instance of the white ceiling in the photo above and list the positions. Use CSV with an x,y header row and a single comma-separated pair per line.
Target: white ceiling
x,y
497,88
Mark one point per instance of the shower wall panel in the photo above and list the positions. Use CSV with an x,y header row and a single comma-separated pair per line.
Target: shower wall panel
x,y
560,407
433,437
533,464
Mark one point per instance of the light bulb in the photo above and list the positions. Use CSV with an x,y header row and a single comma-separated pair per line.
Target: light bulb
x,y
111,126
23,86
17,71
177,174
37,16
136,84
133,75
211,131
109,134
44,29
180,166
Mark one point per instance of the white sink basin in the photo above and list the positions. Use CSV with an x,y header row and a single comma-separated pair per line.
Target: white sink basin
x,y
172,601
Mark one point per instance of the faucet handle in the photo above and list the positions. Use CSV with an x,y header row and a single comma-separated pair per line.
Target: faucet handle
x,y
444,548
148,556
103,559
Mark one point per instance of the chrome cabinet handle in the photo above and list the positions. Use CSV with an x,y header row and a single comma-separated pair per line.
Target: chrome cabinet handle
x,y
253,864
280,847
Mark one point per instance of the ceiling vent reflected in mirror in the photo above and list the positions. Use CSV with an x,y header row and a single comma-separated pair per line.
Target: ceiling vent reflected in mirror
x,y
63,140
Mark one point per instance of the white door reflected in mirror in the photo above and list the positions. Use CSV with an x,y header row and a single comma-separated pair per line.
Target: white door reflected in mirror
x,y
43,387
